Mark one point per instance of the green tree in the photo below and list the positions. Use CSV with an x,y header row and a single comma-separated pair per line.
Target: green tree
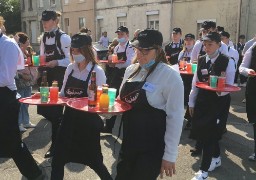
x,y
10,10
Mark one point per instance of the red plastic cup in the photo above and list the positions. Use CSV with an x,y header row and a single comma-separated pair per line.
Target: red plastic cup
x,y
29,61
54,94
221,82
182,64
114,58
189,67
42,60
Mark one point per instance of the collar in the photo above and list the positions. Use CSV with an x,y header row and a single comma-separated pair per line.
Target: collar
x,y
213,59
123,45
87,68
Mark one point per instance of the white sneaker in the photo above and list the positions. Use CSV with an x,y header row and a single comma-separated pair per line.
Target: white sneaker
x,y
29,125
200,175
216,162
22,129
252,157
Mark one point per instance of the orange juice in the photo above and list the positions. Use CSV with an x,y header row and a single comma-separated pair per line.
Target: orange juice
x,y
104,99
99,92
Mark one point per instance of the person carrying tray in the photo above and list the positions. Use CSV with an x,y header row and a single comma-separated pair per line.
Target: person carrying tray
x,y
209,110
79,134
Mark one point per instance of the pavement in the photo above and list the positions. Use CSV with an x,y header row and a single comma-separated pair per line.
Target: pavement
x,y
236,146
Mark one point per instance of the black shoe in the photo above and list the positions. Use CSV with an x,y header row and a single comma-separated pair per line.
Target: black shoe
x,y
106,129
224,131
49,153
187,126
195,152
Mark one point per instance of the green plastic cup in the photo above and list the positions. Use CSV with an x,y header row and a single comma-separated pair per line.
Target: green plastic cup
x,y
35,60
213,81
44,93
112,96
194,68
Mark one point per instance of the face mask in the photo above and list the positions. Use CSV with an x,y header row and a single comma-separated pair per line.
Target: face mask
x,y
78,58
149,64
122,40
189,47
211,56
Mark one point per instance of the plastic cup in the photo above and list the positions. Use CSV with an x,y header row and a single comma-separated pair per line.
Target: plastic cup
x,y
54,94
182,64
29,61
99,92
35,60
213,81
42,60
221,82
44,93
114,58
194,68
112,96
189,67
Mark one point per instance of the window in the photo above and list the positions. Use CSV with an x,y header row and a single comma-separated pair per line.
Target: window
x,y
153,21
23,5
66,1
41,3
121,21
66,25
30,6
52,3
81,22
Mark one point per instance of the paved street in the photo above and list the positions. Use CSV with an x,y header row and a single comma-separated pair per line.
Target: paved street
x,y
236,146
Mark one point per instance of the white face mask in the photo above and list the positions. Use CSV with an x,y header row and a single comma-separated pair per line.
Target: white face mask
x,y
78,58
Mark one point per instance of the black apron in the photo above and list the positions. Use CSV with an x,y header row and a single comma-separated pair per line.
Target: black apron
x,y
115,78
173,53
79,136
211,110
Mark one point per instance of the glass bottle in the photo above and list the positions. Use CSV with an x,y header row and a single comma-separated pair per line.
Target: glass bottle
x,y
104,99
44,82
92,91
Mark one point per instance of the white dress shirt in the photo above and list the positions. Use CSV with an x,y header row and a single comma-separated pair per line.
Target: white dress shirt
x,y
197,48
82,75
129,54
65,42
248,44
185,54
9,54
233,53
245,65
230,76
168,95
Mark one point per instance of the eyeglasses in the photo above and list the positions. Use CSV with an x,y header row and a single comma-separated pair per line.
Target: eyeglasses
x,y
144,51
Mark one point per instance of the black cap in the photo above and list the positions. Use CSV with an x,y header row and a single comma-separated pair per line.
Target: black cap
x,y
212,36
48,15
242,36
122,29
220,28
208,24
189,35
225,34
176,30
148,38
81,39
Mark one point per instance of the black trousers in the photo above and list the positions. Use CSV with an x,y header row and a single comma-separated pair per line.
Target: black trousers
x,y
11,144
211,149
243,79
254,130
138,166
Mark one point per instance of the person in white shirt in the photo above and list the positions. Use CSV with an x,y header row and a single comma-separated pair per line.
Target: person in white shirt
x,y
152,128
248,69
198,50
208,109
10,138
55,45
104,40
248,44
233,53
79,134
124,52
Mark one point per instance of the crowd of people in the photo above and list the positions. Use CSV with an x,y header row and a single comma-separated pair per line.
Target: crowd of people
x,y
149,80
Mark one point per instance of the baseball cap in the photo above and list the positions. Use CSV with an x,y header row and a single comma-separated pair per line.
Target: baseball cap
x,y
189,35
81,39
242,36
122,29
48,15
176,30
212,36
225,34
208,24
148,38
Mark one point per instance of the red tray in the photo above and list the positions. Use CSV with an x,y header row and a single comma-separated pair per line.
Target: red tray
x,y
186,72
227,88
37,101
106,61
81,104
